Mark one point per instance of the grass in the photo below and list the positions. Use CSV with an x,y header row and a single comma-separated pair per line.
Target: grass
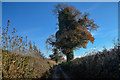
x,y
18,66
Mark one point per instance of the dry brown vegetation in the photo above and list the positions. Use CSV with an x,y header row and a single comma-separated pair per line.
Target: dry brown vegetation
x,y
17,44
103,65
21,58
17,66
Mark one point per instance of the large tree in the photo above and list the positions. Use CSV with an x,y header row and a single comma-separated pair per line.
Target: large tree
x,y
74,30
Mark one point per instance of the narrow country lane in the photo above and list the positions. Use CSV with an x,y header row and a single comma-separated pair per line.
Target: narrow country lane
x,y
59,74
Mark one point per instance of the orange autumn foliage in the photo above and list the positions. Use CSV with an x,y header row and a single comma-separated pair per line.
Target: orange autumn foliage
x,y
92,39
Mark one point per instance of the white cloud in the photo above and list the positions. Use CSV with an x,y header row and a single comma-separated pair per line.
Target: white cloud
x,y
77,57
93,48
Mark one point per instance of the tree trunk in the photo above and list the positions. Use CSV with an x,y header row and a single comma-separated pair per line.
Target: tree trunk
x,y
70,56
56,60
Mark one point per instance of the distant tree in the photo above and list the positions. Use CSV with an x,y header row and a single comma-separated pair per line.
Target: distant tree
x,y
74,30
56,56
40,54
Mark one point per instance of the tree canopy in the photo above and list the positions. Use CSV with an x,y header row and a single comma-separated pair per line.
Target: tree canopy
x,y
74,29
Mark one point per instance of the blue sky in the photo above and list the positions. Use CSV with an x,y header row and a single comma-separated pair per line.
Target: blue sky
x,y
36,20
